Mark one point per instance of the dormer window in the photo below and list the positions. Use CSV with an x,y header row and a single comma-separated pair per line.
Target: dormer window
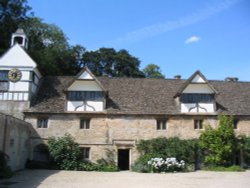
x,y
85,96
85,93
197,95
196,98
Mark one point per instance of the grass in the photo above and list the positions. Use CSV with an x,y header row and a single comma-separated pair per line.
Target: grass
x,y
233,168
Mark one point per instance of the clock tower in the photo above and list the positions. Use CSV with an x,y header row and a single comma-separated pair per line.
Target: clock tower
x,y
19,77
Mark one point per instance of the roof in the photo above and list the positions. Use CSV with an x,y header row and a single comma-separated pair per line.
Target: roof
x,y
142,96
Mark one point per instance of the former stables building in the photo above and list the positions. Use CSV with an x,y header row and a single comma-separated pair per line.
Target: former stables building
x,y
108,116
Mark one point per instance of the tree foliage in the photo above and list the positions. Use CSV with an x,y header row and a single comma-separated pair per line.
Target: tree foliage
x,y
5,170
12,13
50,49
219,145
65,152
168,147
108,61
153,71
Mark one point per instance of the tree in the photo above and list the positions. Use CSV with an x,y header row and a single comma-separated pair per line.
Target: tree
x,y
49,47
12,13
153,71
219,145
65,152
112,63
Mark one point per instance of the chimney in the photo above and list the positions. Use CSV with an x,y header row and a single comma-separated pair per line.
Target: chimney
x,y
177,77
231,79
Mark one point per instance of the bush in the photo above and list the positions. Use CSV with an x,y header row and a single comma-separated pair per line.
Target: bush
x,y
233,168
65,152
219,145
185,150
139,167
245,141
106,166
5,170
101,165
166,165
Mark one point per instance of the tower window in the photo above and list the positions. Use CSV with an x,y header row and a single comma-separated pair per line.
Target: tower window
x,y
4,75
18,40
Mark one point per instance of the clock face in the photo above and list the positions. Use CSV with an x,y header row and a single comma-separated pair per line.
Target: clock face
x,y
14,75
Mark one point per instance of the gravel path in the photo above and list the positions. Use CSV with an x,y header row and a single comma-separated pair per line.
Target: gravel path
x,y
126,179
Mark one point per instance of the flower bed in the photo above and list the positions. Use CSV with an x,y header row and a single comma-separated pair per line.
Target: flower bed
x,y
166,165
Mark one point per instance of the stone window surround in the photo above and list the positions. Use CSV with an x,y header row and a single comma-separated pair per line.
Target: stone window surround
x,y
84,123
161,124
42,122
85,152
198,124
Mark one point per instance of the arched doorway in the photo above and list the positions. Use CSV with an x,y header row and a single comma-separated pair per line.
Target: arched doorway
x,y
41,153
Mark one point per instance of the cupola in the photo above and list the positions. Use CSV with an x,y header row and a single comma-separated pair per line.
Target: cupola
x,y
19,37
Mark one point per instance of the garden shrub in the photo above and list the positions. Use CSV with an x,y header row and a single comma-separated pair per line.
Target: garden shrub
x,y
65,152
166,165
219,145
245,146
165,148
5,170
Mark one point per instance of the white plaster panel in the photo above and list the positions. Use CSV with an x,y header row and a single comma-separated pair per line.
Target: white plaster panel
x,y
84,86
198,88
33,88
10,96
25,96
208,106
85,76
91,106
36,81
5,96
15,96
25,75
17,57
19,86
98,106
198,79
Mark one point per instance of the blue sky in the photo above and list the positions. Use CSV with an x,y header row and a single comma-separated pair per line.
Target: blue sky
x,y
181,36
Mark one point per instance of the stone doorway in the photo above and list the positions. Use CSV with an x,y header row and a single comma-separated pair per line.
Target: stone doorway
x,y
123,159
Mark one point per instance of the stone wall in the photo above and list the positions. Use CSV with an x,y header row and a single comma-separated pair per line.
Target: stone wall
x,y
15,140
14,108
109,133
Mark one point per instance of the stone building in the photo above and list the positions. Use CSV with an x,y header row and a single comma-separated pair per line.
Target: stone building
x,y
108,116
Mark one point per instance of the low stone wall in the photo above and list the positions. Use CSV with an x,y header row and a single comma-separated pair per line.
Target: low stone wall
x,y
15,140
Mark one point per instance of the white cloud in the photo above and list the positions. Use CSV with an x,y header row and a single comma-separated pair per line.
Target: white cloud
x,y
192,39
160,28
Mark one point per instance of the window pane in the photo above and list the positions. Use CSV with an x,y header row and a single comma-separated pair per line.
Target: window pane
x,y
235,125
196,98
4,75
4,86
42,123
195,124
85,153
201,124
164,125
158,126
84,124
